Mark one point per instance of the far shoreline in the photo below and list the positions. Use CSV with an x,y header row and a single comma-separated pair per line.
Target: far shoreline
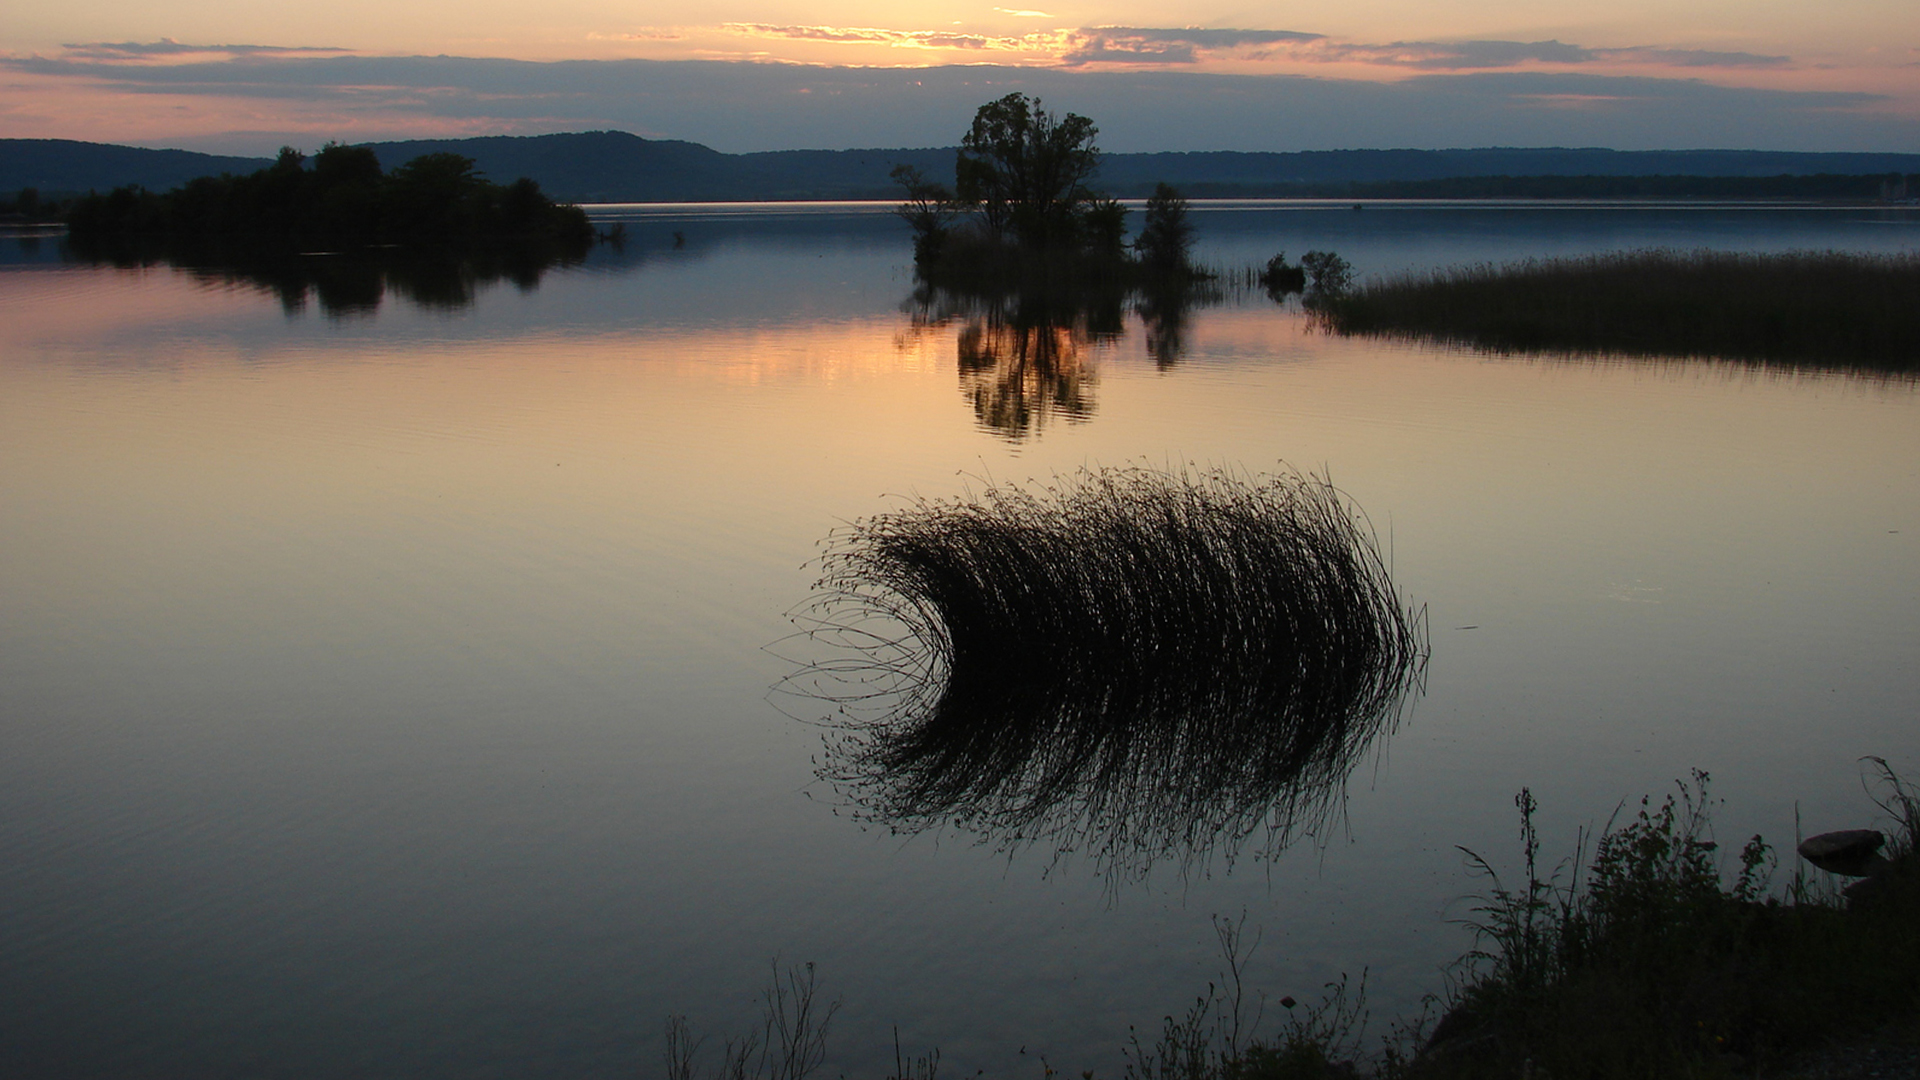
x,y
886,206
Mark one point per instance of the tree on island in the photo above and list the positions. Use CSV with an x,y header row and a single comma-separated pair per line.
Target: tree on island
x,y
1025,250
1028,170
1024,173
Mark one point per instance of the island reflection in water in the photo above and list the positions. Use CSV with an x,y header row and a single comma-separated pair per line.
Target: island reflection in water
x,y
1128,664
1026,355
345,283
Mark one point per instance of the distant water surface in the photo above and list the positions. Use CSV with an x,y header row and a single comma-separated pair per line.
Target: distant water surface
x,y
385,692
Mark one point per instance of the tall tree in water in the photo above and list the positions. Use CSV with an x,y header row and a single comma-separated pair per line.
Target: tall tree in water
x,y
1028,170
1167,236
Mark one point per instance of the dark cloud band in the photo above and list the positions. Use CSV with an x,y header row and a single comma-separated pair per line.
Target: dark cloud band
x,y
747,106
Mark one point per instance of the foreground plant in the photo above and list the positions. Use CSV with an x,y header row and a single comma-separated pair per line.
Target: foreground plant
x,y
1132,663
1219,1037
1647,963
790,1045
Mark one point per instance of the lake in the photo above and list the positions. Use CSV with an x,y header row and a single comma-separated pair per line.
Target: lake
x,y
388,664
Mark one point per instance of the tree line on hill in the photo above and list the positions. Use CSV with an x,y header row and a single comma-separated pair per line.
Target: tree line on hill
x,y
1836,187
613,166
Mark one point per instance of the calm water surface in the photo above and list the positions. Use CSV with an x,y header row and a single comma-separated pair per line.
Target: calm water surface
x,y
385,690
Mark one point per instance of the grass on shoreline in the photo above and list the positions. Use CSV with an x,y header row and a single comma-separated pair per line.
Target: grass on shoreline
x,y
1641,963
1645,963
1820,308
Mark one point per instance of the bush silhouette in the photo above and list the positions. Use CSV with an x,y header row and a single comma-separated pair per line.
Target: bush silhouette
x,y
338,199
1027,170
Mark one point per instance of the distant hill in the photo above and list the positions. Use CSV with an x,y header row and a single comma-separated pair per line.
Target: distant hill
x,y
1310,167
64,165
613,166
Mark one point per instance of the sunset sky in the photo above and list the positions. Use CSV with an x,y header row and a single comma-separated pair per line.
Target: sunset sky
x,y
739,75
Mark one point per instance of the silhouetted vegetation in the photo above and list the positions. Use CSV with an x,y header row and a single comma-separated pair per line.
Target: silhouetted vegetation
x,y
790,1045
344,283
1166,240
1220,1038
929,210
1328,275
1038,263
1127,663
1027,171
1642,963
1825,309
1022,214
26,207
1281,278
341,199
1645,964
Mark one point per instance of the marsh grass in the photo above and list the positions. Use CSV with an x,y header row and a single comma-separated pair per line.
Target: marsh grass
x,y
1129,663
791,1043
1220,1036
1633,957
1646,963
1820,308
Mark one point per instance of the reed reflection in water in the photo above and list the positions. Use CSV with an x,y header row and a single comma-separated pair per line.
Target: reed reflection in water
x,y
1131,664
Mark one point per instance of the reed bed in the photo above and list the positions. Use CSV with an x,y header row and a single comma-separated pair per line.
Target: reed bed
x,y
1127,663
1818,308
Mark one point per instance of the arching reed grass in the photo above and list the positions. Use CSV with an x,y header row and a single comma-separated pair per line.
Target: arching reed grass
x,y
1129,663
1818,308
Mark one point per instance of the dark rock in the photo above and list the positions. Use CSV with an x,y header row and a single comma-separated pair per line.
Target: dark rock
x,y
1887,880
1850,852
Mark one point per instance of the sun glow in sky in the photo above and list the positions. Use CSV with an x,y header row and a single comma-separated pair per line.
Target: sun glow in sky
x,y
773,74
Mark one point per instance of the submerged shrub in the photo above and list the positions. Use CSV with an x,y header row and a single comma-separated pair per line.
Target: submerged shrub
x,y
1279,278
1327,273
1129,661
1167,237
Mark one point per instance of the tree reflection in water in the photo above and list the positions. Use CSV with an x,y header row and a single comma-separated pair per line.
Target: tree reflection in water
x,y
1165,309
1027,353
1134,665
346,282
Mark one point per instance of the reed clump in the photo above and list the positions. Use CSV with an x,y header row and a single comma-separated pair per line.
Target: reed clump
x,y
1126,662
1820,308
